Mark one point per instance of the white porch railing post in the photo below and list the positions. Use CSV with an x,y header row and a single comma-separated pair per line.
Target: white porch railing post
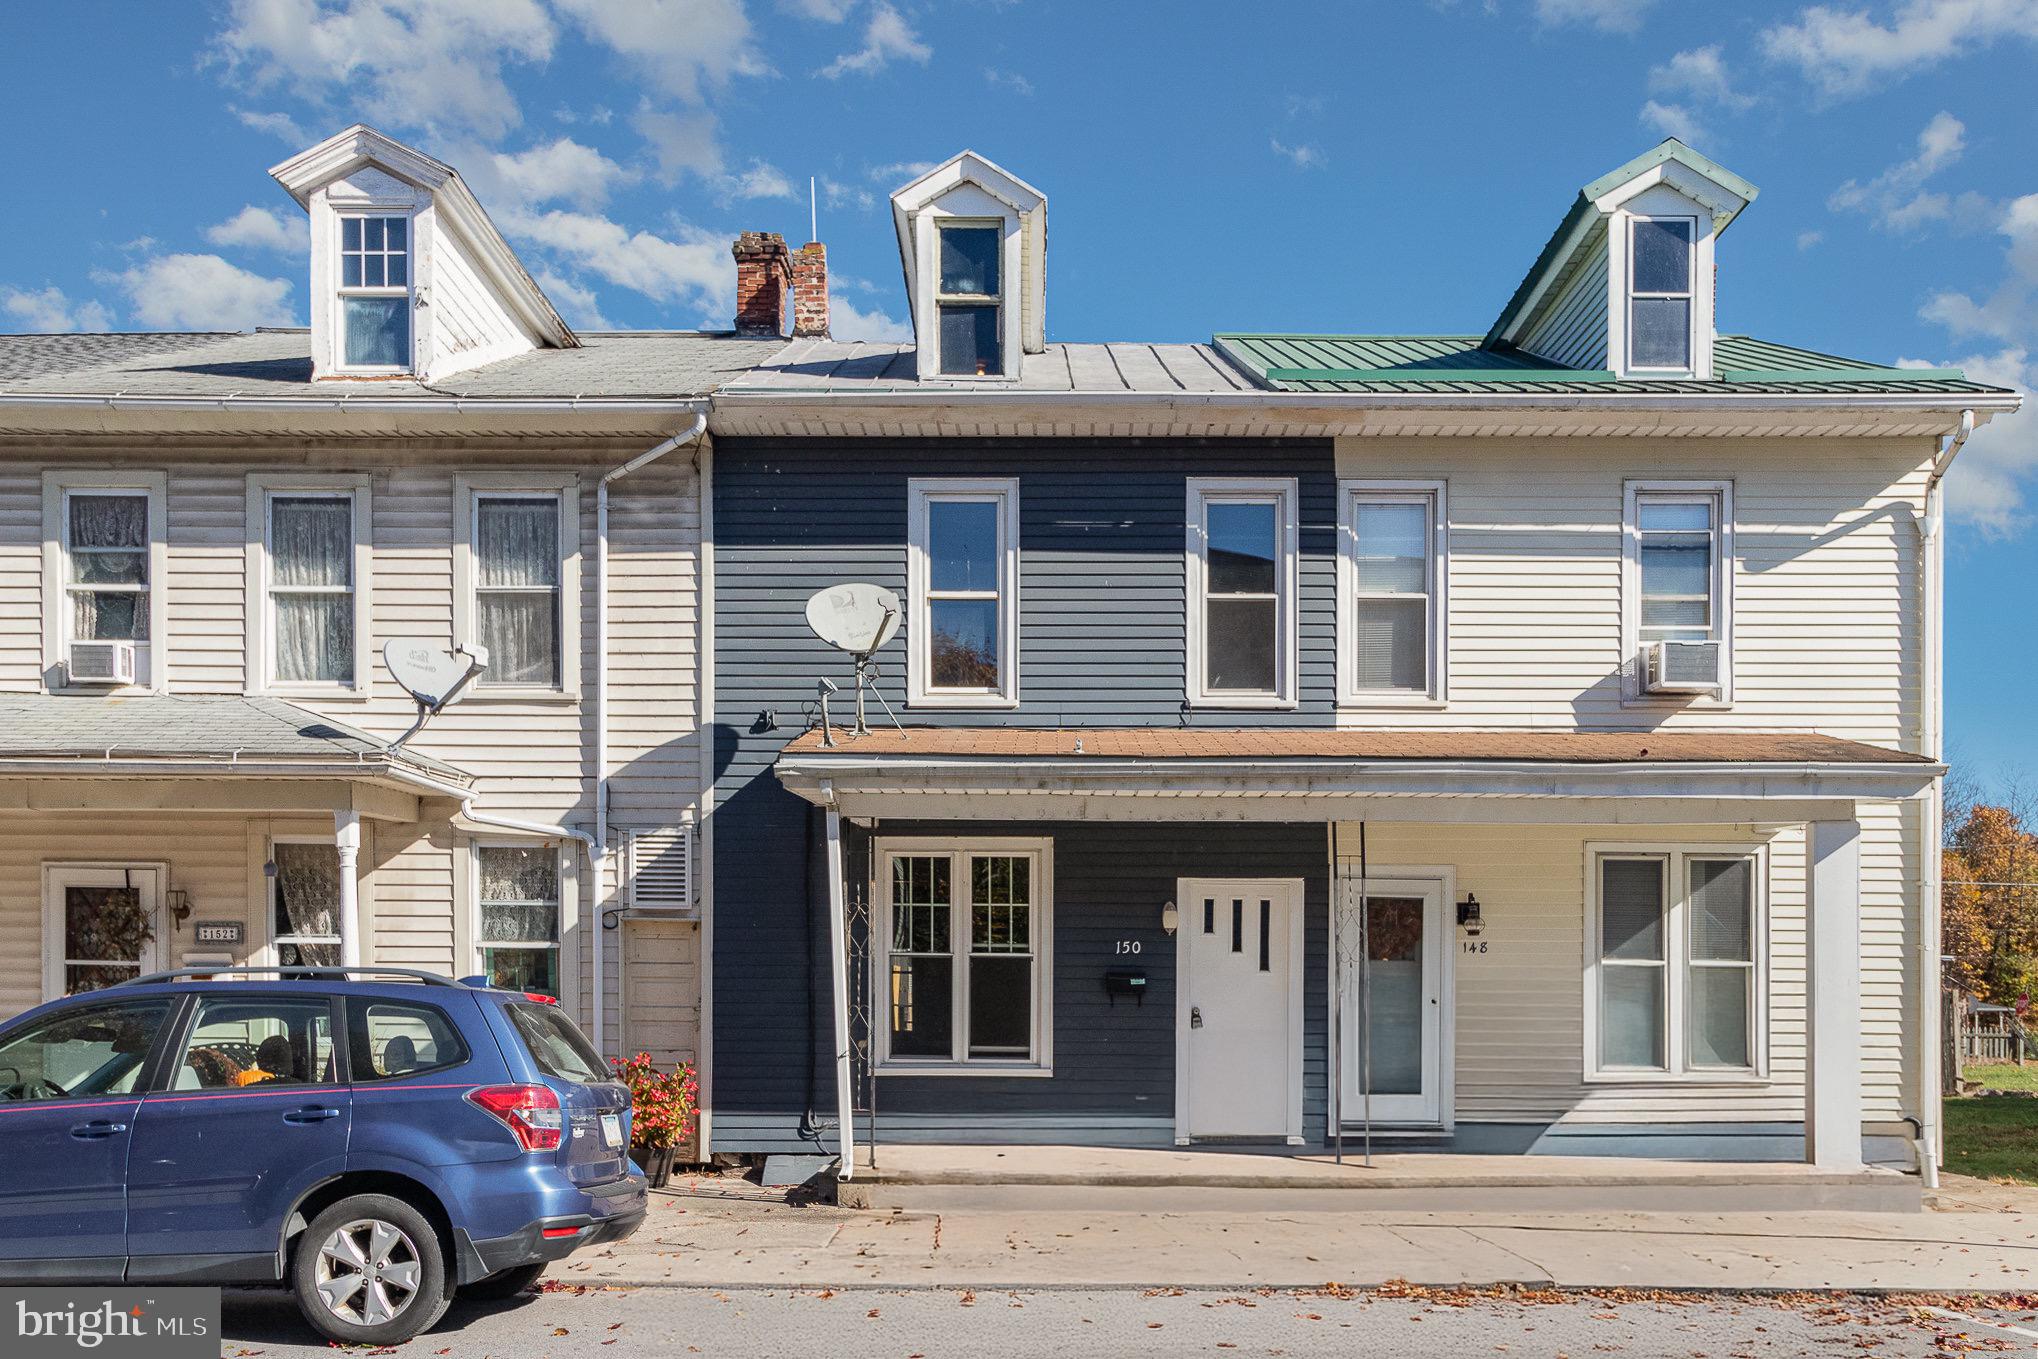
x,y
1832,1114
347,838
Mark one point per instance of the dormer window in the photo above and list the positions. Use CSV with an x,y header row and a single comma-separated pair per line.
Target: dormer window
x,y
375,301
969,300
1660,292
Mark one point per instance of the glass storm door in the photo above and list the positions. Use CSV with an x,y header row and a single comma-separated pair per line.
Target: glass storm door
x,y
1393,1026
99,927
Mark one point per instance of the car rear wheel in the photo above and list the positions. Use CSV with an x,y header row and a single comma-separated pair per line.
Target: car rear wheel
x,y
369,1271
503,1284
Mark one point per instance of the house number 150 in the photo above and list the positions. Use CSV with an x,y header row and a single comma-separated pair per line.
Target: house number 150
x,y
1124,946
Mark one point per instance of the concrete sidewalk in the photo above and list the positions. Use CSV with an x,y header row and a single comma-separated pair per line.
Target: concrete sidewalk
x,y
723,1232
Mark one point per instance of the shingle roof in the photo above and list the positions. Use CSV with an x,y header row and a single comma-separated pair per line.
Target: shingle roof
x,y
1457,363
273,363
834,365
190,726
1263,743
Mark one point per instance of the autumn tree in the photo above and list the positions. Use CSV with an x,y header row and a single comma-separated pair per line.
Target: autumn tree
x,y
1989,901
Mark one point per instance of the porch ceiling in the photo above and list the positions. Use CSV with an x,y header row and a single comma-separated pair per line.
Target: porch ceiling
x,y
1324,774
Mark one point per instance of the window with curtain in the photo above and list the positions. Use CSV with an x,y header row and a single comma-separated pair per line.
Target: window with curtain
x,y
967,301
517,604
518,899
961,544
963,973
305,905
311,588
106,551
1242,615
1678,977
1659,292
1393,580
374,292
1679,546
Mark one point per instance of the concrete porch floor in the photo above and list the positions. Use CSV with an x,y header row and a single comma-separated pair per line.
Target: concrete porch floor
x,y
947,1176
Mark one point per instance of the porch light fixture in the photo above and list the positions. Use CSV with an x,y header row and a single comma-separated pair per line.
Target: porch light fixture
x,y
1171,919
1469,917
179,902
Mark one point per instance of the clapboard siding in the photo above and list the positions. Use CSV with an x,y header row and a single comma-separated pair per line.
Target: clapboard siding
x,y
1573,328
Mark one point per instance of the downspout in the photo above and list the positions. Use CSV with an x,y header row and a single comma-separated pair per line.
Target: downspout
x,y
598,846
1932,717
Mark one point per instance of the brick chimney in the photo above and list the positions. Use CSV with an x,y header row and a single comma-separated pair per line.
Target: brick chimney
x,y
763,283
810,290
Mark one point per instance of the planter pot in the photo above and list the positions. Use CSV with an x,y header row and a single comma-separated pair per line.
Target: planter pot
x,y
657,1164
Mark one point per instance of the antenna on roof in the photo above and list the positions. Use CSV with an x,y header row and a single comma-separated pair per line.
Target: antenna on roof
x,y
813,212
857,618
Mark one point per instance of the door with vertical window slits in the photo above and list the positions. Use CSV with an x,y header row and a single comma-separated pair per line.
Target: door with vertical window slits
x,y
1241,1058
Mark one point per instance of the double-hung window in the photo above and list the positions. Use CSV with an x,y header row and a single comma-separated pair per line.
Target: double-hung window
x,y
516,581
968,299
1241,588
518,930
304,903
311,588
1675,969
1391,617
375,293
962,547
1679,552
1660,303
964,933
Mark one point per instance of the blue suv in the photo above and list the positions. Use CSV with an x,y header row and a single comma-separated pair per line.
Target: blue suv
x,y
375,1139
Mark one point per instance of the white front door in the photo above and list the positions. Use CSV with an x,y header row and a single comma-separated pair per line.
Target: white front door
x,y
1238,1022
100,926
1393,989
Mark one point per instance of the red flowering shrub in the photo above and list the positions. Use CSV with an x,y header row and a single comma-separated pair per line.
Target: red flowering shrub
x,y
662,1103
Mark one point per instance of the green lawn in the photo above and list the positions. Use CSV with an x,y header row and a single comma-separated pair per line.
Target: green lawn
x,y
1993,1139
2008,1076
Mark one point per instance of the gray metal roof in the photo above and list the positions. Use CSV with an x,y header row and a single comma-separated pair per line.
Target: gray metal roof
x,y
840,366
277,363
191,726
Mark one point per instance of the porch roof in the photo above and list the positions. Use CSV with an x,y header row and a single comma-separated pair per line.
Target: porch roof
x,y
1306,774
162,736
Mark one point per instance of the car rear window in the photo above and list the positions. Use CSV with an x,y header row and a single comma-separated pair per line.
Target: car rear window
x,y
556,1043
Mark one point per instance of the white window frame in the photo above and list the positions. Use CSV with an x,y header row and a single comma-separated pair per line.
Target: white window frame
x,y
467,941
1285,493
341,291
1677,963
272,946
1351,495
1689,296
468,492
959,850
922,494
59,874
477,946
997,300
260,658
57,489
1634,683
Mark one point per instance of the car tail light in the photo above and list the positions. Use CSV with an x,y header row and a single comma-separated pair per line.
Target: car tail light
x,y
530,1111
541,998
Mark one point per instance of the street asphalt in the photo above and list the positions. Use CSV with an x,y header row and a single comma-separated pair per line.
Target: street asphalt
x,y
932,1323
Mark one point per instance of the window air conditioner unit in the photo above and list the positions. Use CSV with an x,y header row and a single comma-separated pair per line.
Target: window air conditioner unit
x,y
101,663
1684,667
660,867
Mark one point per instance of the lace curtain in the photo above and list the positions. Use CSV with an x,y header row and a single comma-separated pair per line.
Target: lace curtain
x,y
519,894
311,552
516,594
109,567
307,892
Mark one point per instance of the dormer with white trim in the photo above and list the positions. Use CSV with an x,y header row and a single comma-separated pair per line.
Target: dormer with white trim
x,y
1626,284
973,241
409,278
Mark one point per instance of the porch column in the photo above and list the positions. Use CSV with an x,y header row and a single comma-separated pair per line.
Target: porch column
x,y
1832,1099
347,836
838,973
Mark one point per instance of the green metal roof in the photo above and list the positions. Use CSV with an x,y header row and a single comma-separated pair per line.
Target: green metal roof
x,y
1458,363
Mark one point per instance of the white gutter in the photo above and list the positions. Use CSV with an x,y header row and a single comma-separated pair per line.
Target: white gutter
x,y
599,852
1932,722
873,402
347,401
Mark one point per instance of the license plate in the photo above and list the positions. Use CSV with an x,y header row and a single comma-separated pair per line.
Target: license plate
x,y
612,1130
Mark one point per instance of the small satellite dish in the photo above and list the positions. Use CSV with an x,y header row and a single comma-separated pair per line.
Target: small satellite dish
x,y
856,617
431,674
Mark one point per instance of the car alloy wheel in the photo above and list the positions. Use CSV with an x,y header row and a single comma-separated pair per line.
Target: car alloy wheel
x,y
368,1272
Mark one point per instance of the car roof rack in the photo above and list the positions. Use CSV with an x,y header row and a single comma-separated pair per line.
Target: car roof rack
x,y
296,973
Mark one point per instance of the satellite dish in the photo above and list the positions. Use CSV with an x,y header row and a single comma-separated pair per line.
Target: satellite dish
x,y
856,617
429,673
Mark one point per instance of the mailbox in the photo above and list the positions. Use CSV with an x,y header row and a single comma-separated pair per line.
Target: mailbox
x,y
1126,981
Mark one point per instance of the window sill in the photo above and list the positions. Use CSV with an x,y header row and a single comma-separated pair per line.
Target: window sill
x,y
1370,702
1241,703
1680,702
103,690
994,1070
516,693
1679,1078
330,693
961,702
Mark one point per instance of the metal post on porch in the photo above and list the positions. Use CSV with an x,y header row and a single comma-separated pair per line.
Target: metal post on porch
x,y
1832,1115
347,838
838,975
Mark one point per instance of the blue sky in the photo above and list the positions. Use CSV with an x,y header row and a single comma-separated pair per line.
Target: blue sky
x,y
1211,166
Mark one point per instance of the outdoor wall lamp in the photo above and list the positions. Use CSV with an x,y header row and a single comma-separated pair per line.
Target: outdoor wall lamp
x,y
179,902
1468,914
1171,919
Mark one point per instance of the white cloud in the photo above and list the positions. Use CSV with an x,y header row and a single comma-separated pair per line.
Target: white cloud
x,y
578,305
1806,240
1897,198
1675,120
846,322
887,37
901,171
679,46
49,311
2010,312
1011,80
254,228
759,181
681,143
827,11
693,271
1613,16
1302,157
1845,52
560,171
201,292
431,64
280,125
835,194
1699,73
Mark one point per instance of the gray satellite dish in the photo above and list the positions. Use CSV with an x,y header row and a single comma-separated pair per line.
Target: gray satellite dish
x,y
432,675
856,617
